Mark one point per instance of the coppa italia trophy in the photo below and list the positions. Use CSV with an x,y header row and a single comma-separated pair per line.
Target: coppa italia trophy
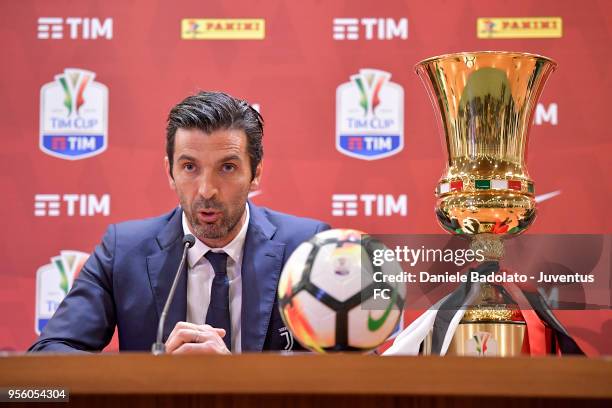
x,y
485,101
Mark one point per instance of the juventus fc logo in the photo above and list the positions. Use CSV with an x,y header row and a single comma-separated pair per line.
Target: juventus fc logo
x,y
288,338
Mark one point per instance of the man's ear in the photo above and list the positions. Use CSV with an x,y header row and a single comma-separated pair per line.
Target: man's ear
x,y
169,174
257,179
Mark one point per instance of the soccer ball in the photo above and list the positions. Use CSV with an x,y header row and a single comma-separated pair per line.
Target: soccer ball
x,y
328,296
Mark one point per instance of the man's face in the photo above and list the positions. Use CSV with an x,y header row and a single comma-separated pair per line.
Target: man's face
x,y
212,178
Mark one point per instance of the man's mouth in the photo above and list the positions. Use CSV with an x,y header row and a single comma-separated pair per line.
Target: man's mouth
x,y
209,216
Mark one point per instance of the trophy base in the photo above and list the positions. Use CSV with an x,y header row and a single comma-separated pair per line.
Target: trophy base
x,y
484,340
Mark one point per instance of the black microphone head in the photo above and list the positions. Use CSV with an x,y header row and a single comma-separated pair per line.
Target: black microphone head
x,y
189,240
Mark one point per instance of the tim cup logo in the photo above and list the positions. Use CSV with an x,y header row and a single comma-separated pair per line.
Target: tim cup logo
x,y
53,282
73,115
370,116
482,344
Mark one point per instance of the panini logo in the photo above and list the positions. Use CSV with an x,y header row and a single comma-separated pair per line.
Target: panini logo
x,y
223,29
523,27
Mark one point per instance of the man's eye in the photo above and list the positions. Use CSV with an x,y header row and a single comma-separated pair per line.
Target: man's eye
x,y
228,168
189,166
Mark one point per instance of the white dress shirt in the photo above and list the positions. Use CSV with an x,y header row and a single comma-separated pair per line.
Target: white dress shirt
x,y
200,275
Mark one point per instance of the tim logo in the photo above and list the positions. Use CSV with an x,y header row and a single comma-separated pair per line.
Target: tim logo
x,y
54,205
73,115
80,28
369,205
53,281
370,116
373,28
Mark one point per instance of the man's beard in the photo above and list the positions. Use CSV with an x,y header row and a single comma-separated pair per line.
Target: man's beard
x,y
219,229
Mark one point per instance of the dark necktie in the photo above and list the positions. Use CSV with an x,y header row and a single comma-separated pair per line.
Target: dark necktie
x,y
218,314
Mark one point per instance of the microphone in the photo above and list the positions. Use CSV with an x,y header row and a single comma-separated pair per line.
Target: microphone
x,y
159,347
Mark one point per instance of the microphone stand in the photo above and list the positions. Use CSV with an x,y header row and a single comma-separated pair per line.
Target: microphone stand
x,y
159,347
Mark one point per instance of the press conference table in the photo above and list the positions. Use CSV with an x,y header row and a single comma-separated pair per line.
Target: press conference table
x,y
339,380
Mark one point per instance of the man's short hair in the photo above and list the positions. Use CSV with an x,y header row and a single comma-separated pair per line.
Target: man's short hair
x,y
212,111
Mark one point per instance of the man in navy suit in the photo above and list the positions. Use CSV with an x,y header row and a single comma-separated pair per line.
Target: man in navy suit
x,y
226,298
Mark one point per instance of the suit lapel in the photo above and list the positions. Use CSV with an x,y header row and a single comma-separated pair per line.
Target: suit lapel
x,y
261,268
162,267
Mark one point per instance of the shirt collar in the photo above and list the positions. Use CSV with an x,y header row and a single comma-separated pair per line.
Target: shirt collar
x,y
234,249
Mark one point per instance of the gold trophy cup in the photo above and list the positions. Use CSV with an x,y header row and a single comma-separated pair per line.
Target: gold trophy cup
x,y
485,102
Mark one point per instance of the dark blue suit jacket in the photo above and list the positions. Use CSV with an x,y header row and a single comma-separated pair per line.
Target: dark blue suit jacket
x,y
126,282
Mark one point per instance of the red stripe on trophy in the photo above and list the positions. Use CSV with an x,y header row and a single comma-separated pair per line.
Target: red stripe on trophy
x,y
456,185
514,185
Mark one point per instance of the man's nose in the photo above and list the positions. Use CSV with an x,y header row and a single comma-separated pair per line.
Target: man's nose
x,y
207,187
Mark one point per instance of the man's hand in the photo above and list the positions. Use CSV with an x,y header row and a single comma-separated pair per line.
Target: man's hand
x,y
193,338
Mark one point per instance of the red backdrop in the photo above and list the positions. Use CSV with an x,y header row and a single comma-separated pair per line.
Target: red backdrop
x,y
292,73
